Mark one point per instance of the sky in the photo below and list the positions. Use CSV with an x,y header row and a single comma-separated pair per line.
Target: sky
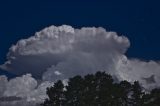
x,y
51,40
138,20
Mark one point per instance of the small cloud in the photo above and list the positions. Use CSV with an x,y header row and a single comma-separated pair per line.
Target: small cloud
x,y
57,73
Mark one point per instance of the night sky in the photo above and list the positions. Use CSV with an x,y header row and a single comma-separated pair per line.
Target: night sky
x,y
139,20
79,39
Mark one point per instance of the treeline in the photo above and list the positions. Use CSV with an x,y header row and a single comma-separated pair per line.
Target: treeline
x,y
100,90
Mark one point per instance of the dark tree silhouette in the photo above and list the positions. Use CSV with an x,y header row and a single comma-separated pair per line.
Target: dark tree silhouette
x,y
100,90
122,91
137,94
56,95
74,91
152,99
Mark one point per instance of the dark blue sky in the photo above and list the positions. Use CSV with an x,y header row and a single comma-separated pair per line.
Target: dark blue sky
x,y
139,20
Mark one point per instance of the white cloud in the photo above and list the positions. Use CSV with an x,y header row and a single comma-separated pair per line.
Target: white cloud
x,y
19,103
62,52
22,90
134,69
20,86
67,50
3,84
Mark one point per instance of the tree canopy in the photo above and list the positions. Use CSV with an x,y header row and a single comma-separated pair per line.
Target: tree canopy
x,y
100,89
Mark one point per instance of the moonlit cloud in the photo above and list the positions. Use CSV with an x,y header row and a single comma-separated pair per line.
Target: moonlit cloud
x,y
20,86
23,90
62,52
3,84
66,50
147,73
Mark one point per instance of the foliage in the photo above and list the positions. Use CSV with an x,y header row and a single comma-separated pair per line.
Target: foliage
x,y
100,90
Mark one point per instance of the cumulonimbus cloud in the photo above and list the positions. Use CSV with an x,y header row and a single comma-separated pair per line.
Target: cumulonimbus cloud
x,y
62,52
67,50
